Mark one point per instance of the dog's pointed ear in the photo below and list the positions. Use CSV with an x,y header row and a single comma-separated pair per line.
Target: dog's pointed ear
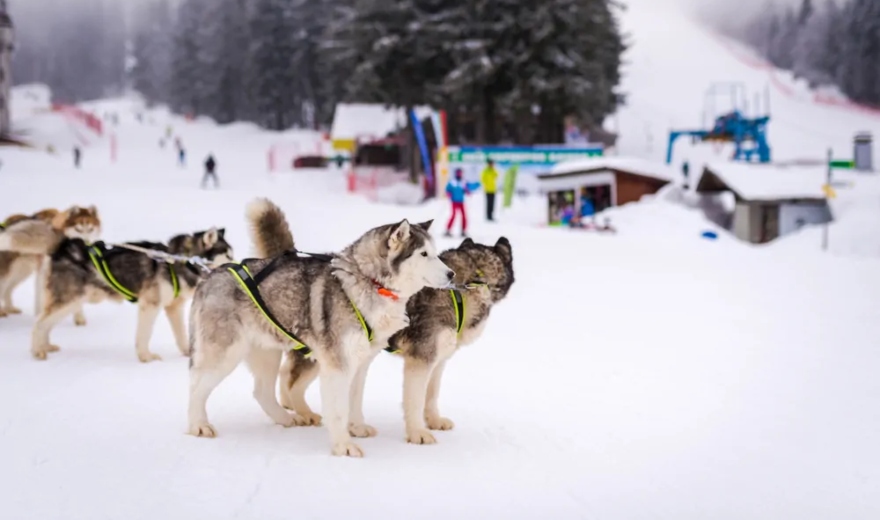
x,y
93,210
426,225
221,233
399,234
504,250
467,242
210,237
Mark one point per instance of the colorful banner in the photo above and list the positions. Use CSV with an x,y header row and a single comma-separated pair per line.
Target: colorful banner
x,y
509,184
423,145
523,155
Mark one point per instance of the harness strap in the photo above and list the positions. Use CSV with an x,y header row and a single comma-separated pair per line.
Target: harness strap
x,y
458,305
96,253
250,284
175,283
247,282
367,329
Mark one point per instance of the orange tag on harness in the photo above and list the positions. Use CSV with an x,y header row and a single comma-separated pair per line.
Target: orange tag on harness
x,y
386,293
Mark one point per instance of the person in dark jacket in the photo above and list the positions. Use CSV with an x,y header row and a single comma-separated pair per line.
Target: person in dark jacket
x,y
210,172
77,156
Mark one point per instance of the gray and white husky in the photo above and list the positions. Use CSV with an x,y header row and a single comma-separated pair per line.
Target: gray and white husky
x,y
439,323
78,273
329,303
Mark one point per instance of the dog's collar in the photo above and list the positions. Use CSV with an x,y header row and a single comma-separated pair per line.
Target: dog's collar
x,y
381,290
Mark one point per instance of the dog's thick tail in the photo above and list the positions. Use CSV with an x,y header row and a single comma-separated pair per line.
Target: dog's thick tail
x,y
269,230
32,237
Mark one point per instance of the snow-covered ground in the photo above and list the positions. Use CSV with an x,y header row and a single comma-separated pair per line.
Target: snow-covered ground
x,y
651,374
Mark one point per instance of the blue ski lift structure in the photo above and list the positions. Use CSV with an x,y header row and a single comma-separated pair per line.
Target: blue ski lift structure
x,y
748,134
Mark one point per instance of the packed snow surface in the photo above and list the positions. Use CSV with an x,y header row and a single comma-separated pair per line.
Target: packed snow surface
x,y
647,374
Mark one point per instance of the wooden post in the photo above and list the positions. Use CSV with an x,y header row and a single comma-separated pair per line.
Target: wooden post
x,y
828,183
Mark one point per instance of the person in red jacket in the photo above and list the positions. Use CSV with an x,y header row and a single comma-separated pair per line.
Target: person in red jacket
x,y
457,190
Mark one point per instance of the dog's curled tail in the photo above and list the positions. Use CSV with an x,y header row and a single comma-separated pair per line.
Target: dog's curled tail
x,y
31,237
269,230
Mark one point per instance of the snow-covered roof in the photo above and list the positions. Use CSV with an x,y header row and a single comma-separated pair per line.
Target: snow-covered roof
x,y
368,120
752,181
632,165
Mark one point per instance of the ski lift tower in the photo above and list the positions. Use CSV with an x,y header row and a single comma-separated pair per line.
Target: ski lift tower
x,y
733,125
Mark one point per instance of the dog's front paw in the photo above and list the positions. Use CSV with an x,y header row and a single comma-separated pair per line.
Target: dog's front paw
x,y
146,357
202,430
13,310
3,313
439,423
40,354
347,449
308,419
287,420
361,430
51,348
79,320
420,437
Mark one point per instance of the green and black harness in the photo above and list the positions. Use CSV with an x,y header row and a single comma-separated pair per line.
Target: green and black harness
x,y
250,285
97,253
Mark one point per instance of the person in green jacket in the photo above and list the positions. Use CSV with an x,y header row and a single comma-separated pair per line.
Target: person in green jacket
x,y
490,186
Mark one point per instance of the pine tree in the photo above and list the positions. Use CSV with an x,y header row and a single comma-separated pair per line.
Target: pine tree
x,y
230,61
189,67
273,81
817,52
860,68
152,47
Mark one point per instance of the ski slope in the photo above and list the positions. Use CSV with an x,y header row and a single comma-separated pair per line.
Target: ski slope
x,y
672,63
652,374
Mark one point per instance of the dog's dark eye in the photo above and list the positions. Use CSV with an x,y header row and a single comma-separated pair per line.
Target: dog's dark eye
x,y
424,253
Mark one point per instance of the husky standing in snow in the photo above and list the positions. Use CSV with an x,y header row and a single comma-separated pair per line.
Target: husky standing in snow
x,y
16,267
342,308
79,273
440,321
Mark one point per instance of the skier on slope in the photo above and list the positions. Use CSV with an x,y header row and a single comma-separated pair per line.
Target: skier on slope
x,y
210,167
457,189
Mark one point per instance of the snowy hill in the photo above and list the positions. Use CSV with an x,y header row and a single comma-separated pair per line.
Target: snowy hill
x,y
651,374
672,64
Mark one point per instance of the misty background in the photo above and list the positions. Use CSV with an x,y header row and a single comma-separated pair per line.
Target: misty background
x,y
282,63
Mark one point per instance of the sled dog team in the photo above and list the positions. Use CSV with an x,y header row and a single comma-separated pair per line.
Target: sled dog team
x,y
327,315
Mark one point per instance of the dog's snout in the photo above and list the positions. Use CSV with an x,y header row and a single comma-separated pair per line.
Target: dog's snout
x,y
450,274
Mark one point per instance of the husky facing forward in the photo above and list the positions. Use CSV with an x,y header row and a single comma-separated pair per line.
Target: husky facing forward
x,y
343,308
79,273
32,232
440,321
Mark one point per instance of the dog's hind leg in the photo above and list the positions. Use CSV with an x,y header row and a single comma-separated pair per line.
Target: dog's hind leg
x,y
4,290
174,312
432,412
21,269
7,306
205,373
46,321
335,394
297,373
40,285
356,424
264,365
147,314
79,317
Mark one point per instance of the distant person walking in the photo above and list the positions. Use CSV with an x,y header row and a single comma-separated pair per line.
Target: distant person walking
x,y
457,190
685,171
181,152
210,172
490,186
77,156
